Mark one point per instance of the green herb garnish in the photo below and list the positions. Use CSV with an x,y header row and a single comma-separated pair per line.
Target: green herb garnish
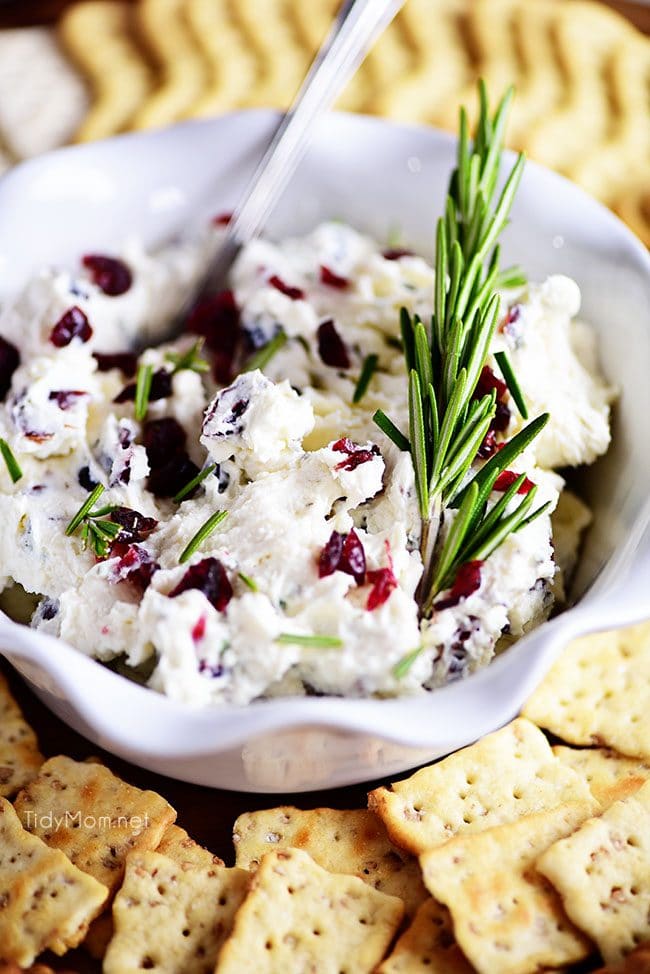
x,y
314,642
249,582
190,360
13,467
444,360
403,665
511,381
90,501
142,391
204,531
368,369
96,532
194,482
262,357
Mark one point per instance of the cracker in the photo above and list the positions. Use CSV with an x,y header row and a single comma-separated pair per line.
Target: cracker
x,y
540,86
638,962
506,917
428,945
170,919
507,774
231,66
299,917
95,818
598,692
633,206
20,757
46,902
182,67
602,873
177,845
610,776
115,68
353,842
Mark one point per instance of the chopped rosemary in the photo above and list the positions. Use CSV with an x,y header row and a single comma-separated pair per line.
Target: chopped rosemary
x,y
13,467
403,665
511,381
249,582
511,277
204,531
444,358
262,357
194,482
142,391
85,509
314,642
190,360
368,369
96,532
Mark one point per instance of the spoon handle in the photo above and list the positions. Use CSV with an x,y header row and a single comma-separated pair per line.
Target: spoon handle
x,y
356,28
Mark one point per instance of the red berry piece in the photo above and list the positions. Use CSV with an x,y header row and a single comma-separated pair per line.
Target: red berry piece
x,y
163,439
161,388
383,582
111,275
330,556
222,219
66,398
467,581
134,526
217,319
328,277
331,347
295,293
126,362
73,324
356,455
208,576
507,478
9,362
353,558
394,253
135,565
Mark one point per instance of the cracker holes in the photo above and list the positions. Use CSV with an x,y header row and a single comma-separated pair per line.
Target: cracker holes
x,y
147,964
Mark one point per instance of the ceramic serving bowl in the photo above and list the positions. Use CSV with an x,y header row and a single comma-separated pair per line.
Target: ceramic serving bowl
x,y
376,176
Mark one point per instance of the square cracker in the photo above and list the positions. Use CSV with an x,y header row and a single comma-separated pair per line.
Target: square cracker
x,y
171,918
353,842
506,916
427,946
20,757
610,775
95,818
177,845
299,917
45,901
507,774
598,692
602,873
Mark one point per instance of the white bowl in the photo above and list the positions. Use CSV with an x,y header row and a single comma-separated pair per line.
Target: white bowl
x,y
375,175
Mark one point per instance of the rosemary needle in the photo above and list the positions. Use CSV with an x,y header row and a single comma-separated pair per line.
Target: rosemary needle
x,y
204,531
13,467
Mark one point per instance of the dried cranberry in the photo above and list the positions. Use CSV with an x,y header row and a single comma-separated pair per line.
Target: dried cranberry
x,y
134,526
330,556
208,576
353,558
383,582
356,454
73,324
9,362
108,273
86,480
328,277
331,348
162,439
66,398
198,630
468,579
161,388
488,447
167,480
487,382
513,315
217,319
126,362
222,219
295,293
394,253
507,478
135,565
501,419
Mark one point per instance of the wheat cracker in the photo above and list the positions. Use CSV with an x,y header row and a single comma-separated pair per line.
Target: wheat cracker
x,y
602,873
507,774
298,916
610,775
231,65
598,692
20,757
428,945
633,206
352,842
92,816
507,917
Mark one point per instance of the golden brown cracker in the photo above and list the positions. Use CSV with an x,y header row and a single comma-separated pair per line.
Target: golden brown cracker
x,y
610,776
638,962
298,916
428,945
176,844
633,206
171,919
95,818
231,64
46,902
352,842
20,757
506,917
507,774
112,62
598,692
602,873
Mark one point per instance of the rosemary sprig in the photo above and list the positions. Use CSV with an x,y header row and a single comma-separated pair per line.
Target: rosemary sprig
x,y
403,665
96,532
191,359
313,642
142,391
444,359
204,531
90,501
13,467
261,358
193,483
368,369
249,582
511,381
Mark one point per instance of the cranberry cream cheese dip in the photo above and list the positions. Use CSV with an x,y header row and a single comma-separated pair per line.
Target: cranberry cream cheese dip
x,y
271,504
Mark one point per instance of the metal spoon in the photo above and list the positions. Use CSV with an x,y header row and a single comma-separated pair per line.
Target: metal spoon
x,y
357,26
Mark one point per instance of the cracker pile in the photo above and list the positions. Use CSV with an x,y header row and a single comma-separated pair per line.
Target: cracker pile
x,y
507,857
581,71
